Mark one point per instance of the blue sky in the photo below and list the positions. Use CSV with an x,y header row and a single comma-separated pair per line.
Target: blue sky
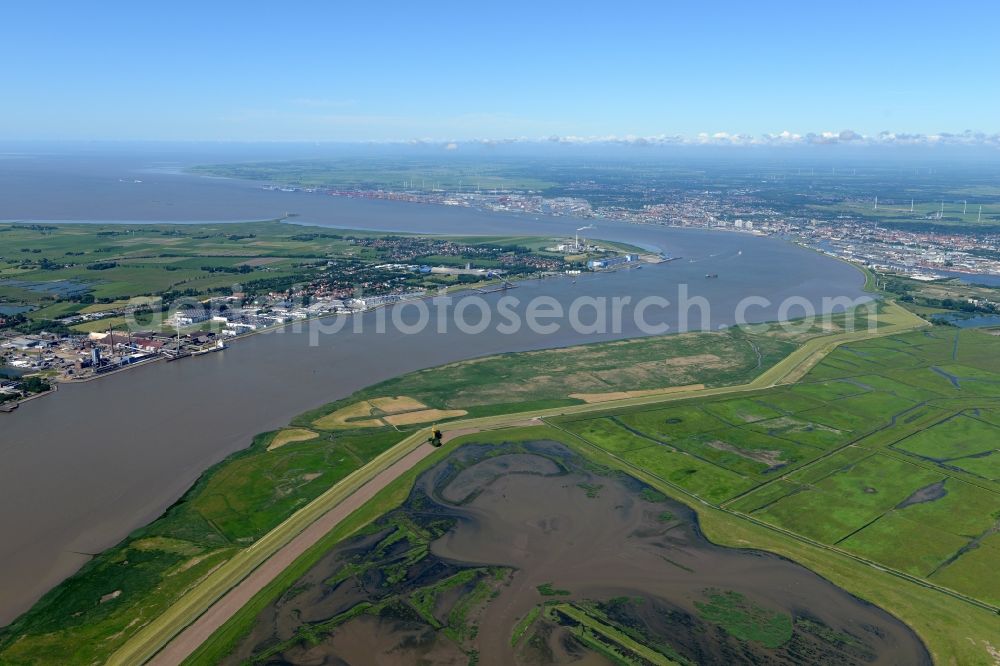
x,y
329,71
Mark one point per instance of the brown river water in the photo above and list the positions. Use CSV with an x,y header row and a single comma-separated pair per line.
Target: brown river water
x,y
81,469
545,518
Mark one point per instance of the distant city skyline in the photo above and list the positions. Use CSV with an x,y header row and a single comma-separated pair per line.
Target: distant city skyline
x,y
716,73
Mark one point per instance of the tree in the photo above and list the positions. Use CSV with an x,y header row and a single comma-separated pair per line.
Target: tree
x,y
34,385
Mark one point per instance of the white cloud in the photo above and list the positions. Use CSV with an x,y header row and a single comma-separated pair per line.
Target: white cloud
x,y
783,138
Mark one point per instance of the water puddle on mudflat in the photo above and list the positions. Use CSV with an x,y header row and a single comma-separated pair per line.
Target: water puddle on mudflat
x,y
528,554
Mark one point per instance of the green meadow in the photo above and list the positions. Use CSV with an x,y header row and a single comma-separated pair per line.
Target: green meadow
x,y
914,535
888,450
522,381
239,500
65,269
232,505
875,469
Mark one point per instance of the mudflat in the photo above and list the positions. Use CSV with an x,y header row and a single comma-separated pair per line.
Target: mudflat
x,y
499,551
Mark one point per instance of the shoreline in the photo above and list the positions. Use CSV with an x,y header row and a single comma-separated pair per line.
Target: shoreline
x,y
450,290
277,328
290,219
964,275
265,418
768,376
194,619
9,408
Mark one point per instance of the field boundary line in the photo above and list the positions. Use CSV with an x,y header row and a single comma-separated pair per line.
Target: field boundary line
x,y
780,530
202,596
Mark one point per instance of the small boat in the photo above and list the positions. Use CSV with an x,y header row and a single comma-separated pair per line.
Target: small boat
x,y
711,275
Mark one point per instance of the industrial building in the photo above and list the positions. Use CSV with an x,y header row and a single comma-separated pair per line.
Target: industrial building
x,y
612,262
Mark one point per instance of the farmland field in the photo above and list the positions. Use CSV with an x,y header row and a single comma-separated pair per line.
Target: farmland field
x,y
888,450
241,499
857,466
55,271
851,468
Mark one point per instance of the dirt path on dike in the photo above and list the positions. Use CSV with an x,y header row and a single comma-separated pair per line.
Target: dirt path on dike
x,y
188,640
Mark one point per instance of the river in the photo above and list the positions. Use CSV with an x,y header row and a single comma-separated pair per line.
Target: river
x,y
81,469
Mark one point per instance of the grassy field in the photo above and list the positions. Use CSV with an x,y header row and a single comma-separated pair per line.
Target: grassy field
x,y
886,442
538,380
234,505
923,211
942,298
892,319
751,460
955,631
67,269
38,263
419,175
240,500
